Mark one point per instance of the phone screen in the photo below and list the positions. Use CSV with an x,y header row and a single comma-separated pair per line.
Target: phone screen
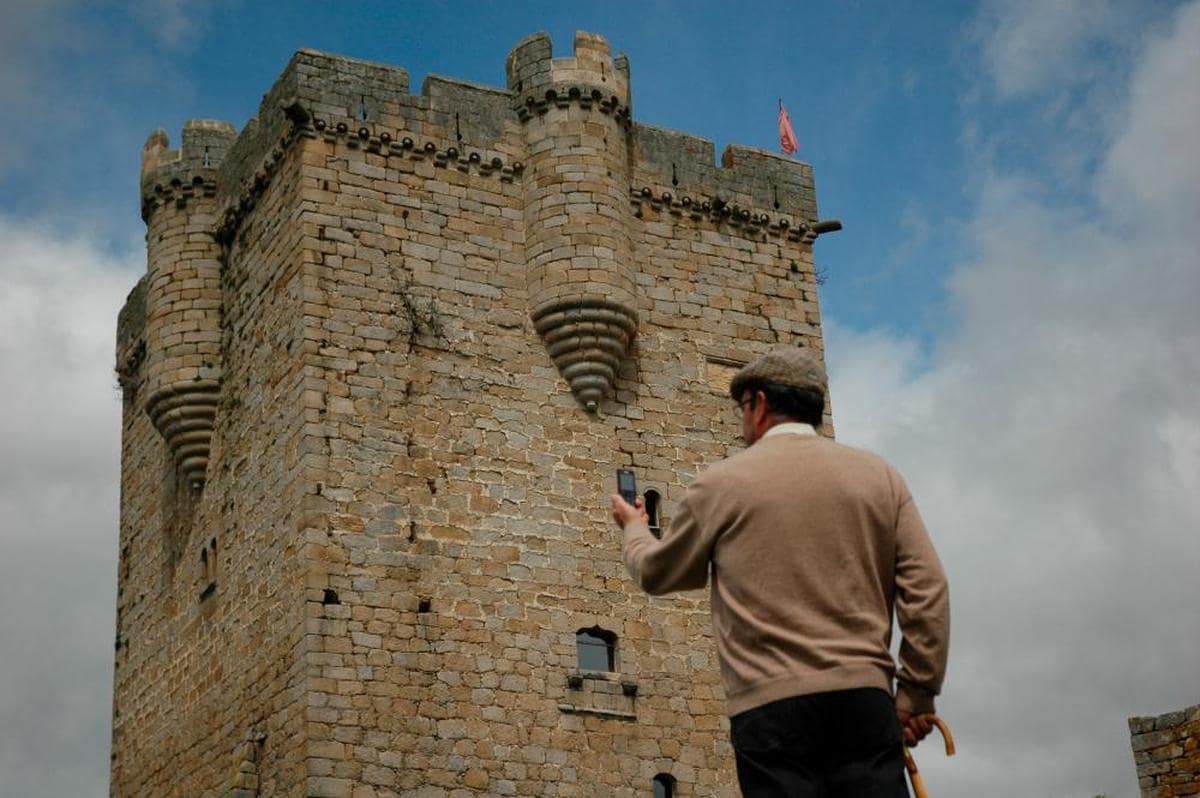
x,y
627,485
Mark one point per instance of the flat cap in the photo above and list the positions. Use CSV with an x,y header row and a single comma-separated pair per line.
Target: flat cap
x,y
792,366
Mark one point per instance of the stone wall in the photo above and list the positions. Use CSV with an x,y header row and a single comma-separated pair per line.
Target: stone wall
x,y
446,319
1166,750
210,640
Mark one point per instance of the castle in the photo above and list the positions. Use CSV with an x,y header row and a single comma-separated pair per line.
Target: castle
x,y
388,352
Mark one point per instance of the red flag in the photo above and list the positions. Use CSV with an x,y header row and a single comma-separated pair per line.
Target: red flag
x,y
787,136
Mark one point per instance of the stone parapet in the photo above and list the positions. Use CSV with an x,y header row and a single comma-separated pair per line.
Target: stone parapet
x,y
746,176
590,78
472,117
173,177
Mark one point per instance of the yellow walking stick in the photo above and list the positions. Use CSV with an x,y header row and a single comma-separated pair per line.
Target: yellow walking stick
x,y
913,774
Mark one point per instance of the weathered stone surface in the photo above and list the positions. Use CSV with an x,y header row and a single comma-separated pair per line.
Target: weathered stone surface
x,y
403,517
1166,752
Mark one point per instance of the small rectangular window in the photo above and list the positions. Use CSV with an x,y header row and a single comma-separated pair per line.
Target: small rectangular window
x,y
653,503
596,649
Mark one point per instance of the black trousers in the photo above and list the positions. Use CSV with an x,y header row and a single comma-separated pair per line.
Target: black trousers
x,y
843,744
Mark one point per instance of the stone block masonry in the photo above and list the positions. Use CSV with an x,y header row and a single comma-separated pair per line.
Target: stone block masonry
x,y
387,355
1166,750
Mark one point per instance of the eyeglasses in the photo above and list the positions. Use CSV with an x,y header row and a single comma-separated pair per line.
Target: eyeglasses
x,y
740,405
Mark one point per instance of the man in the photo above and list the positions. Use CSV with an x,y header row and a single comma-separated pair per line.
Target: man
x,y
811,545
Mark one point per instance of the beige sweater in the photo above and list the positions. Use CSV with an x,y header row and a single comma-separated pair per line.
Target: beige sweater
x,y
811,545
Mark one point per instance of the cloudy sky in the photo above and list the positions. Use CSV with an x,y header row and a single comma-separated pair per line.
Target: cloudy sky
x,y
1011,316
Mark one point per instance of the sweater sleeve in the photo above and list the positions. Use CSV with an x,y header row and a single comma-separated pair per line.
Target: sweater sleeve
x,y
922,610
680,559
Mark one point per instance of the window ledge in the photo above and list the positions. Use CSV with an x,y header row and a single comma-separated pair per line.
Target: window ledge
x,y
596,676
576,678
603,693
619,714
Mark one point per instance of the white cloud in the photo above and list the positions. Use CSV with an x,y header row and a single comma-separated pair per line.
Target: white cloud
x,y
1154,165
1053,443
1052,80
60,423
1029,44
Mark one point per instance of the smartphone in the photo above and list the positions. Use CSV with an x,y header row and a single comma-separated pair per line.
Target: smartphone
x,y
627,485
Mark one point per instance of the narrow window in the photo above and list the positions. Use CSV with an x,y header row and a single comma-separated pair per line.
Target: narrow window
x,y
596,649
664,786
653,500
208,570
208,564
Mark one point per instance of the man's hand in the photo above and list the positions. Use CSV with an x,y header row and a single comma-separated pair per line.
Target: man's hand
x,y
625,513
916,727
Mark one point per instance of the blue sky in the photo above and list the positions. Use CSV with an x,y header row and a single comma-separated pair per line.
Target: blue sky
x,y
1009,313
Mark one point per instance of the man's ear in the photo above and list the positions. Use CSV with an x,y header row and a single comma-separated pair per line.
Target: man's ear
x,y
760,400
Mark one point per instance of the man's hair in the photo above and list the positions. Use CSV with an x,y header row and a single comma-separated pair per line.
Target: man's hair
x,y
796,404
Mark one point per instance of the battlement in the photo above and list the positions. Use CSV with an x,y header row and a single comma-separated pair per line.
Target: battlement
x,y
174,174
352,98
685,164
592,71
205,143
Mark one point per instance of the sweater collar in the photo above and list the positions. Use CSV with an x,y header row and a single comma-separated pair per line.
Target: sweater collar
x,y
790,428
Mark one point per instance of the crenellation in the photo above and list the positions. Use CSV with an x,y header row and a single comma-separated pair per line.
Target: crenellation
x,y
590,78
476,111
467,123
758,180
173,177
768,176
528,61
342,86
205,142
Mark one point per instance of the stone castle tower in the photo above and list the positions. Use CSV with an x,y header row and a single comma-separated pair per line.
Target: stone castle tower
x,y
387,354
